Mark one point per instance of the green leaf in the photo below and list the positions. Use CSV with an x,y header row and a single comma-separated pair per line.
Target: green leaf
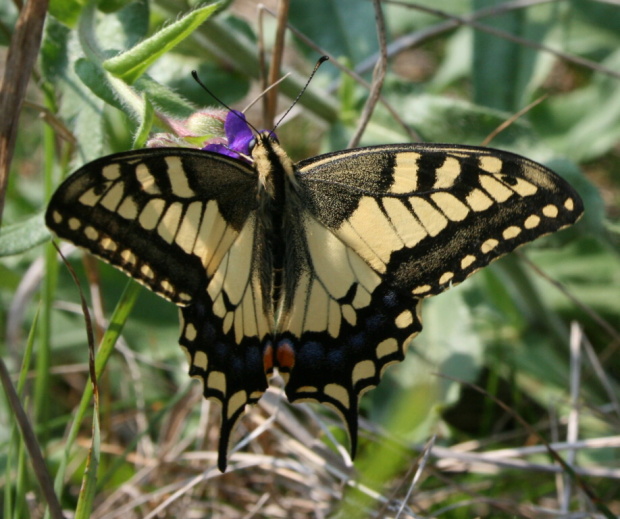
x,y
78,105
457,61
88,489
502,69
109,6
124,28
130,65
66,11
354,37
111,90
593,29
583,124
163,98
174,70
146,123
588,268
20,237
96,79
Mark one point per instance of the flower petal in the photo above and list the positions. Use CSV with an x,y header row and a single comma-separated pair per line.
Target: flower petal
x,y
222,149
238,132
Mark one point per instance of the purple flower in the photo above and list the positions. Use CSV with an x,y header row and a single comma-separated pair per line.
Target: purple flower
x,y
239,137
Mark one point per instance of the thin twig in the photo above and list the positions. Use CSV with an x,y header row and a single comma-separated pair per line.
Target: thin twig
x,y
413,136
512,119
31,443
20,60
271,99
572,429
378,77
413,40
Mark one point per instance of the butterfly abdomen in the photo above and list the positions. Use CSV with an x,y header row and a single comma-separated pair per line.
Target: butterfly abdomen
x,y
276,194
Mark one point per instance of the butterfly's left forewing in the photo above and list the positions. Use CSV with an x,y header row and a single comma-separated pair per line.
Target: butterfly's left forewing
x,y
164,216
425,217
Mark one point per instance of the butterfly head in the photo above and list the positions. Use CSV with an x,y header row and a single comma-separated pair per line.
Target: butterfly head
x,y
270,159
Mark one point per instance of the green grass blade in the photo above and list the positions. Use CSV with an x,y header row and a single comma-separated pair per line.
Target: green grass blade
x,y
117,321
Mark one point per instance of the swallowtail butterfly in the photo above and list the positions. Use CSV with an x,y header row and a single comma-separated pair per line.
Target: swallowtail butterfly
x,y
316,269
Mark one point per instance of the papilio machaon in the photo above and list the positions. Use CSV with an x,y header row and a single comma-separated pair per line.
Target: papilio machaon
x,y
316,268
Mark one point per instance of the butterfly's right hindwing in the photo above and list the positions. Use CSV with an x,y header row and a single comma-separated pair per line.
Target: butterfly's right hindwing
x,y
164,216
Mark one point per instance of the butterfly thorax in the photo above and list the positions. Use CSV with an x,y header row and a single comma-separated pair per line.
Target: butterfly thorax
x,y
272,165
276,176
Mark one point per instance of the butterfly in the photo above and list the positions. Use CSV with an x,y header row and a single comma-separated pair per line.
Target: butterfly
x,y
315,269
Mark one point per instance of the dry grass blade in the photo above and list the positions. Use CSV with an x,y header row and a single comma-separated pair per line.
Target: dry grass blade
x,y
512,119
575,476
30,440
418,474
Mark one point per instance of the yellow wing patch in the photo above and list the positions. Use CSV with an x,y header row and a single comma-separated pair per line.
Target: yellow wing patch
x,y
235,290
336,284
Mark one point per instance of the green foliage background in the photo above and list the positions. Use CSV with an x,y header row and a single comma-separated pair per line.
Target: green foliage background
x,y
106,74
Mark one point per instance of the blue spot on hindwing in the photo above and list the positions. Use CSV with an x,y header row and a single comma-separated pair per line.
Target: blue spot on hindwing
x,y
358,340
390,299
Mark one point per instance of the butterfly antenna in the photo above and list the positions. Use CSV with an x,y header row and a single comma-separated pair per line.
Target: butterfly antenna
x,y
321,60
206,89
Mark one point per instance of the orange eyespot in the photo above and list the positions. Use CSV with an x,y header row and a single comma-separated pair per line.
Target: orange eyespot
x,y
268,358
285,355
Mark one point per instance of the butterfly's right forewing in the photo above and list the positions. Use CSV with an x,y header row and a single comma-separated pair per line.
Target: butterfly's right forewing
x,y
164,216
